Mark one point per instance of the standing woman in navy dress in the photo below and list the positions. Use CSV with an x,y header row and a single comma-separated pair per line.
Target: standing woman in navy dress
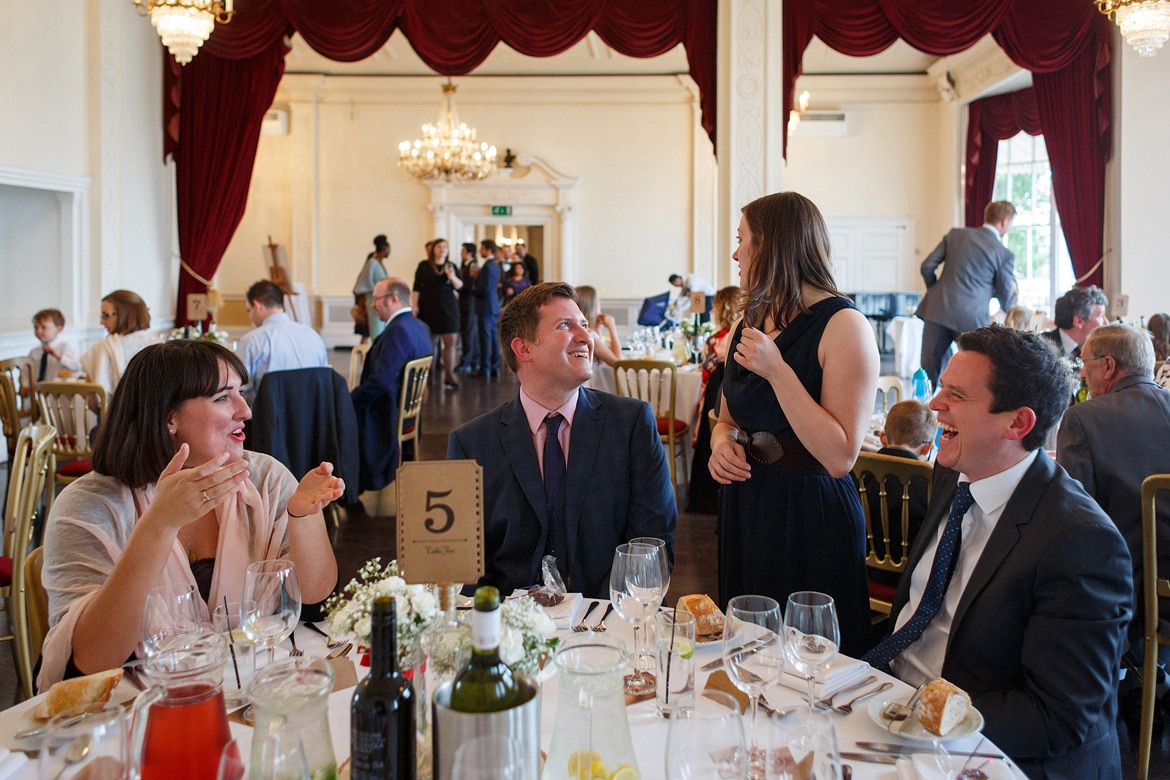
x,y
803,366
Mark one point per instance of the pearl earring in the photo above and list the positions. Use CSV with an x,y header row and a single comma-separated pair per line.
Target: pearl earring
x,y
171,431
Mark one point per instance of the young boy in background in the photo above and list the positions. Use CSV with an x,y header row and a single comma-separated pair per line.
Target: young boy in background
x,y
54,356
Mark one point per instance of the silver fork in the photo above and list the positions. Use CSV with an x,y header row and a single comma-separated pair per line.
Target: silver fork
x,y
330,642
847,707
601,623
827,702
583,626
296,652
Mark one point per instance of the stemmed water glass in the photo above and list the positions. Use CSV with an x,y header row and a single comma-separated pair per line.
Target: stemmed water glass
x,y
636,587
270,603
753,652
646,661
168,614
811,635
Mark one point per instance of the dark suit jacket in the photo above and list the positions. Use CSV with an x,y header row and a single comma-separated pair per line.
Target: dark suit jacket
x,y
532,268
617,488
1111,443
487,298
978,268
376,399
1038,633
1053,337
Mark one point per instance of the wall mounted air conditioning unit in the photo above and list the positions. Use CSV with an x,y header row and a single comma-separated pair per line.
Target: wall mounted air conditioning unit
x,y
275,122
823,124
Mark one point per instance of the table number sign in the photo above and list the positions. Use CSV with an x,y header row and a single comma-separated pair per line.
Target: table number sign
x,y
440,520
698,303
196,307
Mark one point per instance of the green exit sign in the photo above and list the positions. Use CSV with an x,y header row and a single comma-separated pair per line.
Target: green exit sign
x,y
501,211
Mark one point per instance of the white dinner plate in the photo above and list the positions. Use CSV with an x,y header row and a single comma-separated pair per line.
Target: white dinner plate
x,y
913,731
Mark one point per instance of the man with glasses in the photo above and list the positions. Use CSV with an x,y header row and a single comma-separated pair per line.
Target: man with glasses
x,y
1113,441
375,400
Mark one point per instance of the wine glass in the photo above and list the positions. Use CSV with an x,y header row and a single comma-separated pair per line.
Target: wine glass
x,y
811,635
647,661
753,652
636,588
167,614
270,603
708,743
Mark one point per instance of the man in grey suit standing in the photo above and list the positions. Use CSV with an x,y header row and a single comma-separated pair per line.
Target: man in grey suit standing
x,y
1017,588
1118,438
568,471
978,267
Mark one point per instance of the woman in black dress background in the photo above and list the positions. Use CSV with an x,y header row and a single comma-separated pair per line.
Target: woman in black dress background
x,y
803,367
434,302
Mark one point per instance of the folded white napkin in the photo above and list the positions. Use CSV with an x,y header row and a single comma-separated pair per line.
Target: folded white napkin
x,y
928,766
565,613
843,673
11,763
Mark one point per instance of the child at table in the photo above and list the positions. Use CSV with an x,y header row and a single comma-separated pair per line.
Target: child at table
x,y
54,357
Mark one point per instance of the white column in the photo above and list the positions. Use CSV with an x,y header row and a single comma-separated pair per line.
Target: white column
x,y
304,254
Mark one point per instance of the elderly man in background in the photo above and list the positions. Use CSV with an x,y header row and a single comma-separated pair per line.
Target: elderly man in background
x,y
277,343
1113,441
375,400
1078,312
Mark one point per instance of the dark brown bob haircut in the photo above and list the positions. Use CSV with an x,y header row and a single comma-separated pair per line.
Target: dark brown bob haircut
x,y
791,246
520,317
130,312
133,445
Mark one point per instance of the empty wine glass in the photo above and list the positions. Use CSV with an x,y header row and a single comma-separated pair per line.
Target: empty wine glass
x,y
270,603
708,742
636,588
811,635
753,652
646,661
167,614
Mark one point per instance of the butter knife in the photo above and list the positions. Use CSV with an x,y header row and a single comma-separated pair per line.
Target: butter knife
x,y
872,758
909,750
718,662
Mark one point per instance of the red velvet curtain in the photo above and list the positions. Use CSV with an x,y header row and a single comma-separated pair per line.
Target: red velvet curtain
x,y
1064,43
213,107
990,121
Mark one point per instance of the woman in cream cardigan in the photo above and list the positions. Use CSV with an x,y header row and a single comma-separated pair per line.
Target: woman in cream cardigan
x,y
127,323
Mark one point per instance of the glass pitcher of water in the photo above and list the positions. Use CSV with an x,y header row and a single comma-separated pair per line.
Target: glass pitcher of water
x,y
290,701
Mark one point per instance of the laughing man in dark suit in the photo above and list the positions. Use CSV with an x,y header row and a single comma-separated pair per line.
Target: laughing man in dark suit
x,y
615,482
1033,611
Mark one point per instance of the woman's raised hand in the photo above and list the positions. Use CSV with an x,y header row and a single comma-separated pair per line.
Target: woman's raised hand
x,y
316,490
758,353
183,495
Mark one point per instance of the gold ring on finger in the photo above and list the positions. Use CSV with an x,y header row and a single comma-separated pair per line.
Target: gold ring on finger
x,y
206,498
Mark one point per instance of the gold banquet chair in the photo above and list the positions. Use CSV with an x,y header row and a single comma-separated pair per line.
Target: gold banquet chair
x,y
18,407
653,381
410,400
886,386
28,472
38,604
357,361
73,409
884,470
1153,588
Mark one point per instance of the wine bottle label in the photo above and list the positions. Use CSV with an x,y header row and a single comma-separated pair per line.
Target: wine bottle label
x,y
485,629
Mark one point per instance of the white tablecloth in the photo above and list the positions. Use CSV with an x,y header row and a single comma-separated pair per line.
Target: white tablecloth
x,y
648,730
906,333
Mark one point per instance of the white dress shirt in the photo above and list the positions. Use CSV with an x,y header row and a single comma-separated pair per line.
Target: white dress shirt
x,y
923,660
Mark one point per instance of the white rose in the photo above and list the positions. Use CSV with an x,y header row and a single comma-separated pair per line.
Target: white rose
x,y
511,646
361,628
422,601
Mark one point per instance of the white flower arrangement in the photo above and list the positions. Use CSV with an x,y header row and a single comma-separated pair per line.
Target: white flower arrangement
x,y
349,611
525,639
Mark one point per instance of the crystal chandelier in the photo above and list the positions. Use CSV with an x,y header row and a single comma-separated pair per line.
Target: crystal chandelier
x,y
448,149
184,25
1144,23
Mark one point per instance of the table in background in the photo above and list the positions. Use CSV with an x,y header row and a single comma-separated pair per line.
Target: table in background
x,y
906,333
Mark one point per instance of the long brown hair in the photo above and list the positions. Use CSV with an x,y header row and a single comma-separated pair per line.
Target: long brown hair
x,y
791,246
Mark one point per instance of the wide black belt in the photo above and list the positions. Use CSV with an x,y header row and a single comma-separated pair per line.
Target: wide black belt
x,y
768,449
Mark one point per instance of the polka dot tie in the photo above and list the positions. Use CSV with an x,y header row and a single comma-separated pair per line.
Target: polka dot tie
x,y
936,586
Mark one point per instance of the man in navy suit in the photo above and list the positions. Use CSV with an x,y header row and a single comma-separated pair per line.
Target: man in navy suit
x,y
376,399
487,307
978,266
1036,598
614,483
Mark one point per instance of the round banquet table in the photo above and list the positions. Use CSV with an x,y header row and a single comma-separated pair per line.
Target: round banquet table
x,y
648,731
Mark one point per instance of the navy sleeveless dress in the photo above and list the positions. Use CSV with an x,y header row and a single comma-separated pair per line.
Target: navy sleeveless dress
x,y
783,530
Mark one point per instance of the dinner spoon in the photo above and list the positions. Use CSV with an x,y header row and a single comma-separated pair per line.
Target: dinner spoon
x,y
76,753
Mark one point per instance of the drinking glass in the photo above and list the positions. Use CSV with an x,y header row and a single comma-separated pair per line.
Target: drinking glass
x,y
90,745
646,661
811,635
707,743
753,652
167,614
225,619
674,645
491,757
270,603
231,763
787,742
636,588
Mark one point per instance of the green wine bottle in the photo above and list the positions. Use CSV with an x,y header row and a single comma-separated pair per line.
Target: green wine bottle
x,y
485,684
382,721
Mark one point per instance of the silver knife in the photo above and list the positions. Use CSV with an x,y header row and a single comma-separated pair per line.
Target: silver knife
x,y
873,758
712,665
909,750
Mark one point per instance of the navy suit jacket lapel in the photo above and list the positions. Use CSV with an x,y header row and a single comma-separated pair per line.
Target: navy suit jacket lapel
x,y
584,447
516,439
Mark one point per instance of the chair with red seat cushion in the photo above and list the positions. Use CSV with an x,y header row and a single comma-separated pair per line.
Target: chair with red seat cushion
x,y
74,409
653,381
887,552
28,473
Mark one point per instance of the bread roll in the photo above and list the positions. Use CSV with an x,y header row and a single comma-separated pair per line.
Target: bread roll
x,y
942,707
708,618
79,694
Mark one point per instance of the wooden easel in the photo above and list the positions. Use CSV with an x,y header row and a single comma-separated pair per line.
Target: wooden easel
x,y
276,270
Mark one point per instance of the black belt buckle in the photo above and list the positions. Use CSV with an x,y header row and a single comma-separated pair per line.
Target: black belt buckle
x,y
762,447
